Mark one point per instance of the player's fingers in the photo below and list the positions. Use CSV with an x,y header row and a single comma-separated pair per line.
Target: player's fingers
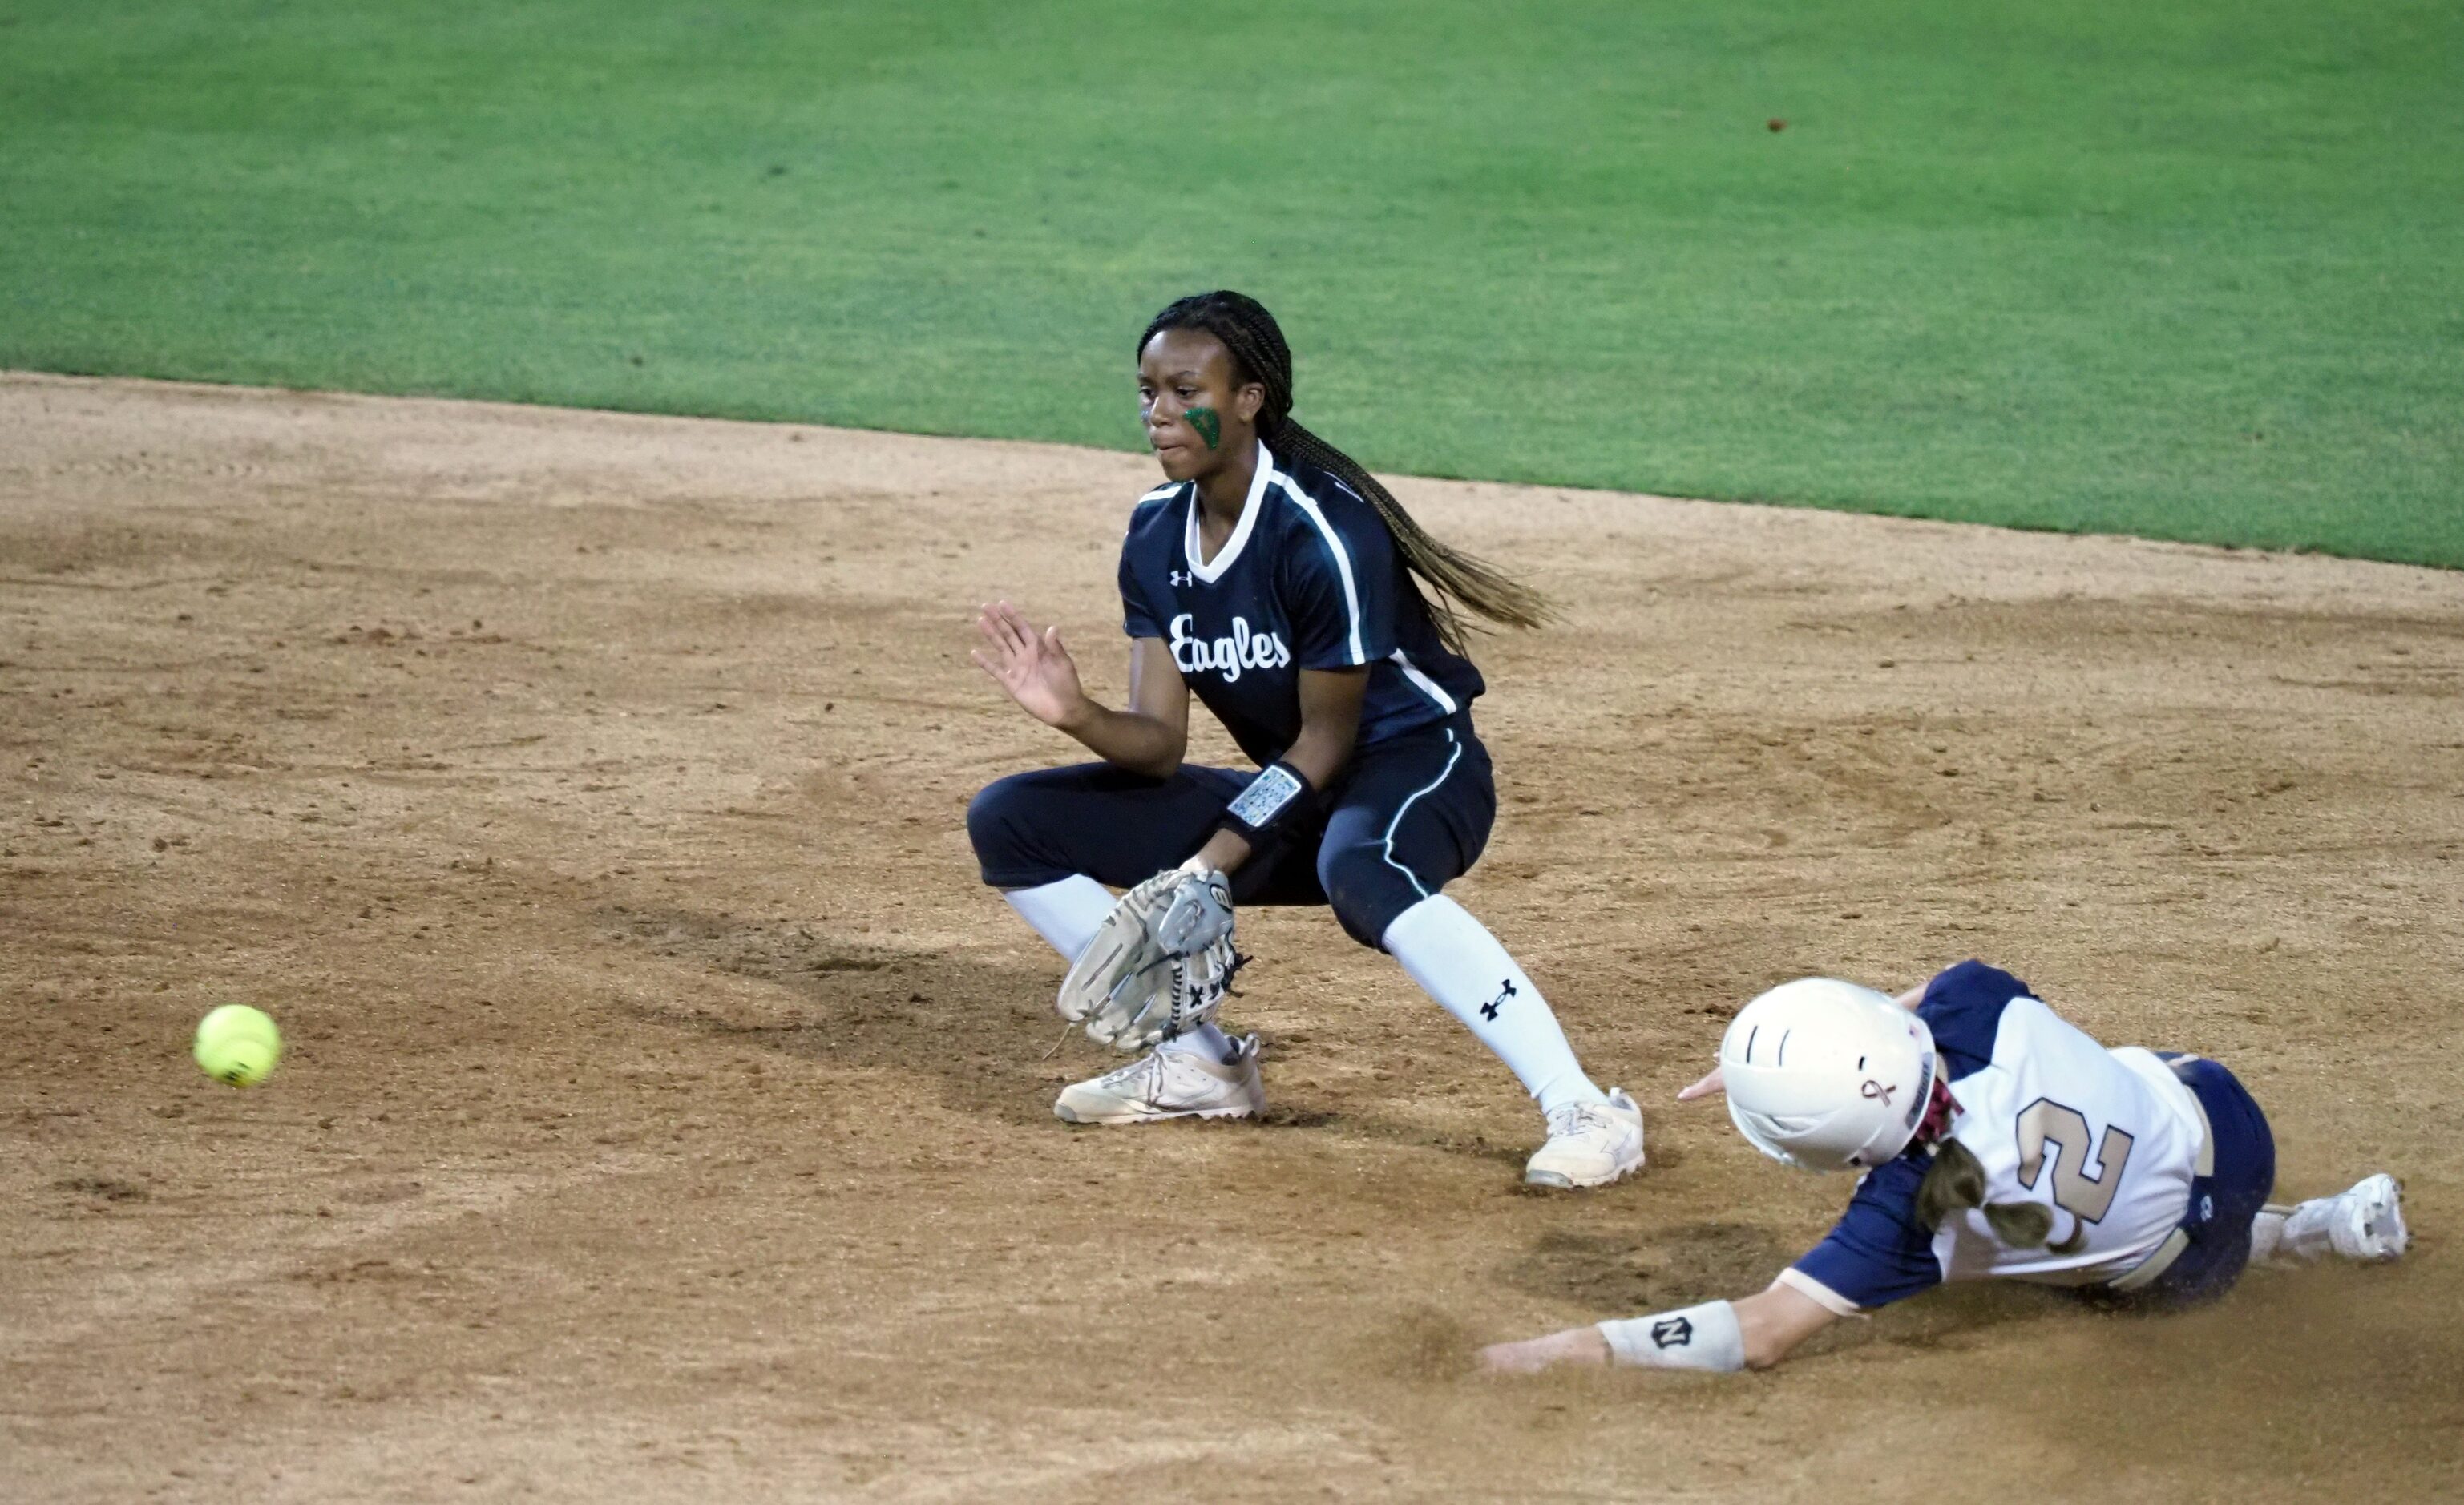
x,y
1510,1359
1708,1086
1025,629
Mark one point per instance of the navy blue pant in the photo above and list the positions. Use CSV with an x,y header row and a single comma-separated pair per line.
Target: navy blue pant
x,y
2224,1201
1405,817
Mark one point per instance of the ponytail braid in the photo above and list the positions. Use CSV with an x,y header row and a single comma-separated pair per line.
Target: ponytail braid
x,y
1955,1182
1459,581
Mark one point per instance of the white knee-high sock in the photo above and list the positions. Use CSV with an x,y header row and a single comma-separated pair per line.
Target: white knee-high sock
x,y
1455,961
1208,1040
1067,914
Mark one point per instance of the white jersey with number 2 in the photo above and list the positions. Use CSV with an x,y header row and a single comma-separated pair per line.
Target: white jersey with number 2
x,y
2108,1139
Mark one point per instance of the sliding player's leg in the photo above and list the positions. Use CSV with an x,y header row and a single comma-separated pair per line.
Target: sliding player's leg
x,y
2364,1223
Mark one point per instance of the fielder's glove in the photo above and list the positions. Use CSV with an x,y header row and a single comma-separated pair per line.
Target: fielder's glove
x,y
1158,965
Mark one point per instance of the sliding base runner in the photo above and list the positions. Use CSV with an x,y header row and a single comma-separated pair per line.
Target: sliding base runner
x,y
1996,1141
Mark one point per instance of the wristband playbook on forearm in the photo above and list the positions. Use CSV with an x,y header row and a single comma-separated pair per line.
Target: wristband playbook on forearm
x,y
1271,800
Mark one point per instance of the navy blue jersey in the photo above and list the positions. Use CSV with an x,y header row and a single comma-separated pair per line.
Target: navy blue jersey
x,y
1309,579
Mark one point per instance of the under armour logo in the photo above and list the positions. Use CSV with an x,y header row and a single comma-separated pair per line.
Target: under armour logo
x,y
1488,1009
1674,1332
1876,1089
1182,577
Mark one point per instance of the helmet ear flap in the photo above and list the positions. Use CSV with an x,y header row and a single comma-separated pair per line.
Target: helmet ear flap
x,y
1759,1131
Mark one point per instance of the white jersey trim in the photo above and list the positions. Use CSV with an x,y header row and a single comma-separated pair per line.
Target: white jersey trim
x,y
1405,808
1213,570
1342,563
1820,1295
1428,687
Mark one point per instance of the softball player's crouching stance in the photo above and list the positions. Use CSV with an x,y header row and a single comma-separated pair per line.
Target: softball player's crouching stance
x,y
1996,1140
1273,577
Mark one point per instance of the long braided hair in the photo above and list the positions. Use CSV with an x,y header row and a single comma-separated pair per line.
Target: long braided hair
x,y
1459,582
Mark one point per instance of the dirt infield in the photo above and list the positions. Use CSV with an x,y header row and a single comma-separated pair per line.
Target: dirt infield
x,y
667,1115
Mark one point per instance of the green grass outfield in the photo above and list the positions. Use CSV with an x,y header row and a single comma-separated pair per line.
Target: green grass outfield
x,y
2193,269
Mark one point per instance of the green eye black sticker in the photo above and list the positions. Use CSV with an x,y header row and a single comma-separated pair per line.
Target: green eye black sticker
x,y
1208,424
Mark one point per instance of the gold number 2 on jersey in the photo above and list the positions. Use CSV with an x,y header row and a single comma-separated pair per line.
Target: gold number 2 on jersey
x,y
2088,1197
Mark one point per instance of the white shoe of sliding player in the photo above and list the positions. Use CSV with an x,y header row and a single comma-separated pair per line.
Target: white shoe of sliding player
x,y
1169,1083
1590,1145
2368,1221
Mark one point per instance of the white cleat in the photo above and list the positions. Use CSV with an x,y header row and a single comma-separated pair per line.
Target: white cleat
x,y
1169,1084
1590,1145
2370,1221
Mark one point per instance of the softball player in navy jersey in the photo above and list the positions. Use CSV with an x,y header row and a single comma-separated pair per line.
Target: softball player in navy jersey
x,y
1996,1141
1278,581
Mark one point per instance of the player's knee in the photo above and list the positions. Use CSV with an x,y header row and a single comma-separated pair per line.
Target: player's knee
x,y
996,824
1361,888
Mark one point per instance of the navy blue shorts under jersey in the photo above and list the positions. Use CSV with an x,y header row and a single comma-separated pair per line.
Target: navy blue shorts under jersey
x,y
2224,1203
1408,815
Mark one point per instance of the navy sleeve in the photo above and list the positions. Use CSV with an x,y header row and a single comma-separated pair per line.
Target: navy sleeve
x,y
1337,580
1135,619
1878,1252
1963,1008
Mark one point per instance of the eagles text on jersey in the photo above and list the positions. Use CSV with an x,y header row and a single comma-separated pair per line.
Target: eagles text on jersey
x,y
1309,579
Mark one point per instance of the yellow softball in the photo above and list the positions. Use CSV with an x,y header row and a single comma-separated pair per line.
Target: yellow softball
x,y
239,1044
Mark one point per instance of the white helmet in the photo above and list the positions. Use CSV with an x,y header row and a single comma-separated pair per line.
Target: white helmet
x,y
1827,1075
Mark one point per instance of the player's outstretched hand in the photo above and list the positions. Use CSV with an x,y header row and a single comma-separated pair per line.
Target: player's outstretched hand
x,y
1710,1086
1033,666
1582,1346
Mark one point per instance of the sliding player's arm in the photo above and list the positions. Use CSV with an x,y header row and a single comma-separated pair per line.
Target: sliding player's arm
x,y
1720,1337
